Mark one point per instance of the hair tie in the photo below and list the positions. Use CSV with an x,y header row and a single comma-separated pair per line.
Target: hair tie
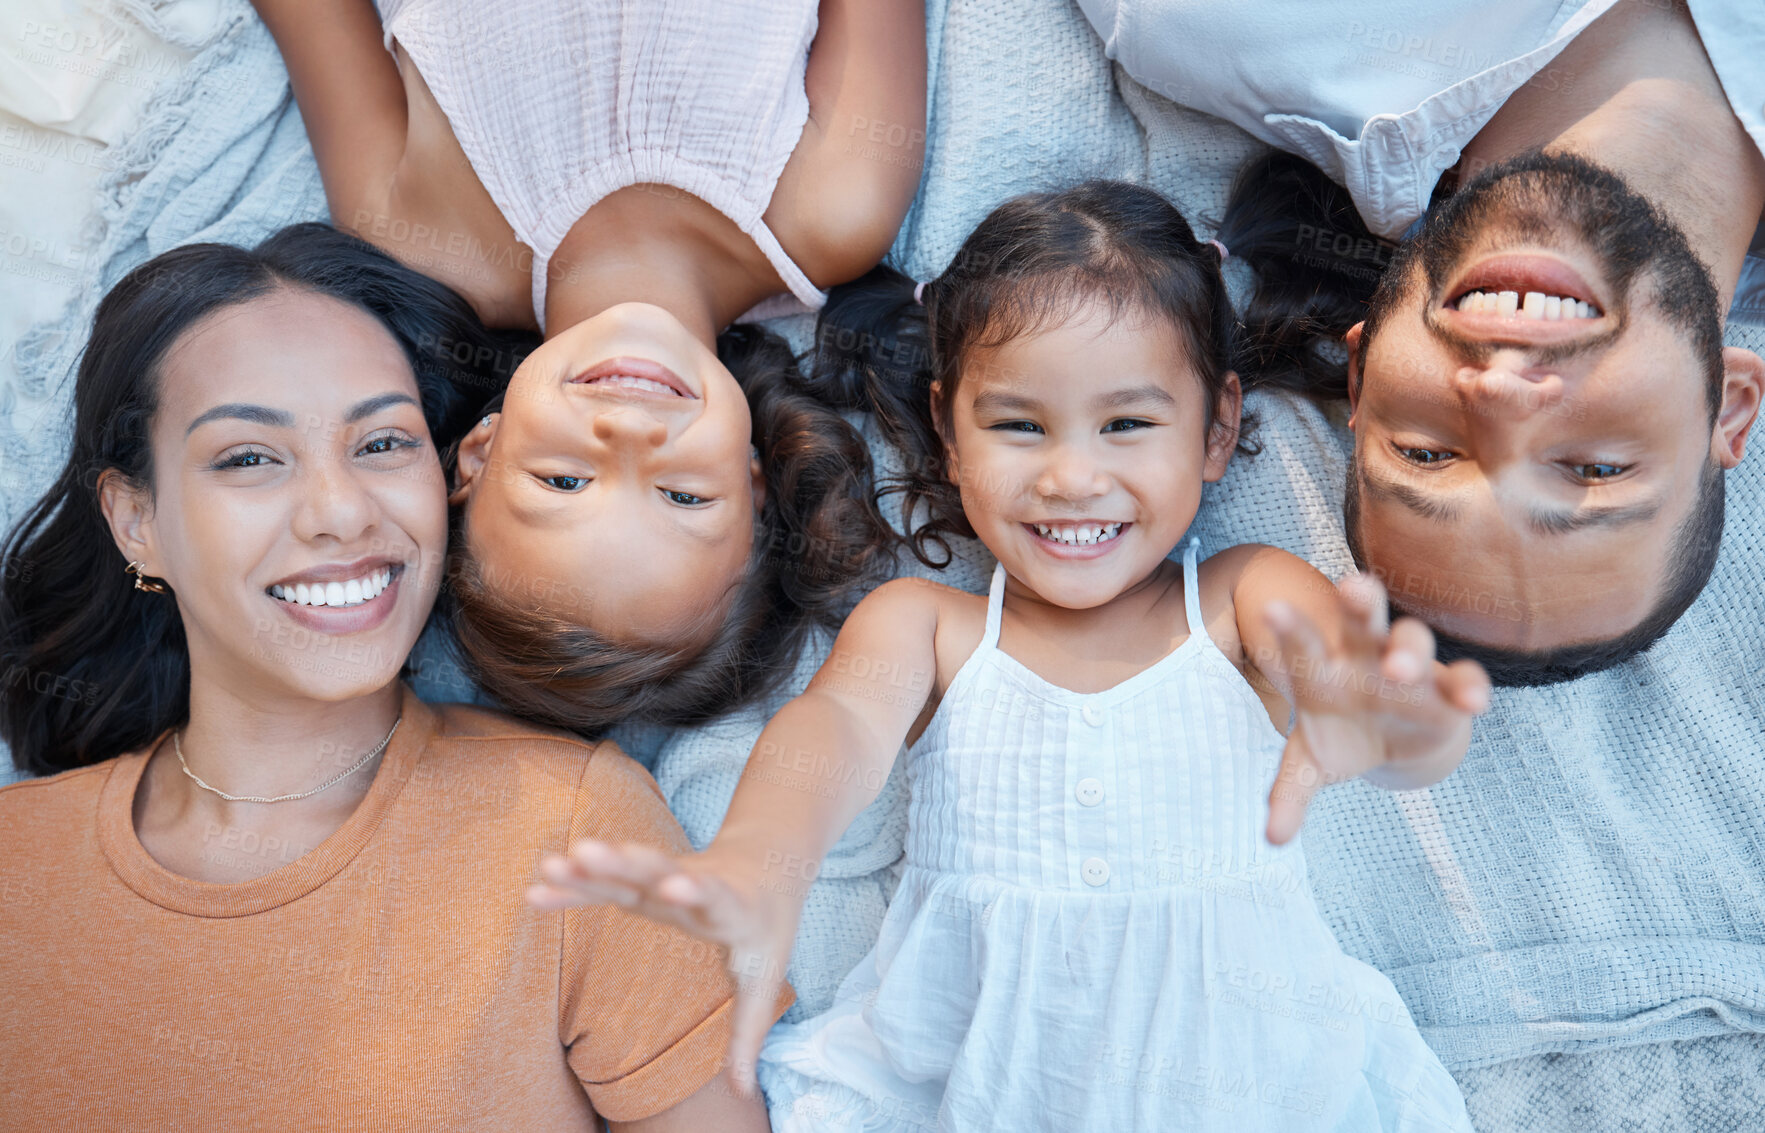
x,y
1221,248
919,293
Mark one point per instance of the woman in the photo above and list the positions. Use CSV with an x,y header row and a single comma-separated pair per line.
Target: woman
x,y
264,866
667,507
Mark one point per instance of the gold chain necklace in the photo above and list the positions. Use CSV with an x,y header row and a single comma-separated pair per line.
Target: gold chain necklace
x,y
332,782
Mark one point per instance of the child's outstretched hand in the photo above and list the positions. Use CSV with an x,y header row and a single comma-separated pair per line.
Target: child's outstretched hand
x,y
1374,703
712,895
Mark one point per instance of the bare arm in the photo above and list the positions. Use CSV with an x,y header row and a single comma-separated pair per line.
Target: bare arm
x,y
819,762
1369,698
349,91
717,1105
857,165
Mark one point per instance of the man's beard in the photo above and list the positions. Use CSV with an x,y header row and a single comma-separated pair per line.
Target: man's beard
x,y
1558,200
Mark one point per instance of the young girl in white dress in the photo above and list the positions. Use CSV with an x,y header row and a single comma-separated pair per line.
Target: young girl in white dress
x,y
1103,922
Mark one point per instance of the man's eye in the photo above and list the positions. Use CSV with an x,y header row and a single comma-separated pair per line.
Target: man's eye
x,y
1127,425
564,483
1599,471
1017,427
1423,456
684,499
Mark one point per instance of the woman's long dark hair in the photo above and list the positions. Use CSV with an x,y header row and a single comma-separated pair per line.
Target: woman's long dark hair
x,y
1316,266
91,667
821,541
1029,263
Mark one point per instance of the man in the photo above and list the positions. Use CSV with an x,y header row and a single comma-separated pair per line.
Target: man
x,y
1576,917
1546,491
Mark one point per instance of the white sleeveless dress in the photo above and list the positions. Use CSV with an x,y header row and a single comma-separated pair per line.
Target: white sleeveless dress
x,y
557,104
1093,934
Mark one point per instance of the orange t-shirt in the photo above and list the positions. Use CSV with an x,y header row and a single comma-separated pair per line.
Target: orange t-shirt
x,y
391,978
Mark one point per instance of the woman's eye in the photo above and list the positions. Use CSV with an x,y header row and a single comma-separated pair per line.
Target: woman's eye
x,y
1127,425
684,499
1598,471
251,458
388,442
564,483
1423,456
1017,427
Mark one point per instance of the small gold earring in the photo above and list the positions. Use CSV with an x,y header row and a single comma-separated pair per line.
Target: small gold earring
x,y
142,582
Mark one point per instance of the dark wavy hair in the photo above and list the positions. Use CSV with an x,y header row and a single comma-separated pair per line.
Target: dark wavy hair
x,y
91,668
1030,263
821,541
1317,268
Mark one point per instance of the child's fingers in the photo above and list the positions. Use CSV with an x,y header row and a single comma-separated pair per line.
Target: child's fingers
x,y
1409,654
1370,612
557,878
567,878
1303,651
1465,686
640,867
1295,784
756,990
640,879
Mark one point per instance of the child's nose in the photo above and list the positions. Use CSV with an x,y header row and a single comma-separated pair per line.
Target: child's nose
x,y
630,425
1072,474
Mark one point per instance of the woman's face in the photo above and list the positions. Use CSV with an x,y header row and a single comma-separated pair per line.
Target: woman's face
x,y
617,489
298,510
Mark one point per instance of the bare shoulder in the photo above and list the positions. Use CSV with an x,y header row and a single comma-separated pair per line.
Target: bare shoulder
x,y
918,608
1245,576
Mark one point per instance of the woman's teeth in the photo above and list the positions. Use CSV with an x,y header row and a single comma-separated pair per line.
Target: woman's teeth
x,y
1533,305
630,382
1078,534
351,593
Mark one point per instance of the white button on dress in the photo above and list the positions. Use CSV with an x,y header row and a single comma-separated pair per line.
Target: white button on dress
x,y
1089,791
1095,871
1091,713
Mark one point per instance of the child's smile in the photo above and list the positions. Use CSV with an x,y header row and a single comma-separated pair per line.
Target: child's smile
x,y
1079,540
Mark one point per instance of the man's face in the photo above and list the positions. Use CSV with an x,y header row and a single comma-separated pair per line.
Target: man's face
x,y
1523,461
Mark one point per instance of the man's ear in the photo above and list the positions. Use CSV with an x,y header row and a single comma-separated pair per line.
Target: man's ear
x,y
1352,340
128,509
1743,388
472,459
1222,438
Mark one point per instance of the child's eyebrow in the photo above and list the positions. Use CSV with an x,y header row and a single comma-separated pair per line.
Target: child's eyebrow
x,y
994,402
1135,395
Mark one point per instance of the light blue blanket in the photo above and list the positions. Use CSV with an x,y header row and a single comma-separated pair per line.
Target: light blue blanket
x,y
1591,882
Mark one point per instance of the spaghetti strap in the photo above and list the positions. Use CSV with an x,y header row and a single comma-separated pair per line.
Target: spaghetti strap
x,y
995,608
1192,592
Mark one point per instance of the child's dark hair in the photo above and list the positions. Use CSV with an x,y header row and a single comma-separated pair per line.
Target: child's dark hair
x,y
820,542
1316,266
1027,265
93,668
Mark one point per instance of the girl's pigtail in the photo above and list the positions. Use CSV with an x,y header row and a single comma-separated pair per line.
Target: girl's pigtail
x,y
872,350
1316,267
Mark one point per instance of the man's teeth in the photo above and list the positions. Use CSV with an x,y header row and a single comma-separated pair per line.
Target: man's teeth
x,y
631,382
1078,534
1532,305
351,593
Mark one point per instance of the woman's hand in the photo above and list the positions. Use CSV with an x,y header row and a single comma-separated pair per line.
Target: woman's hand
x,y
724,896
1372,702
